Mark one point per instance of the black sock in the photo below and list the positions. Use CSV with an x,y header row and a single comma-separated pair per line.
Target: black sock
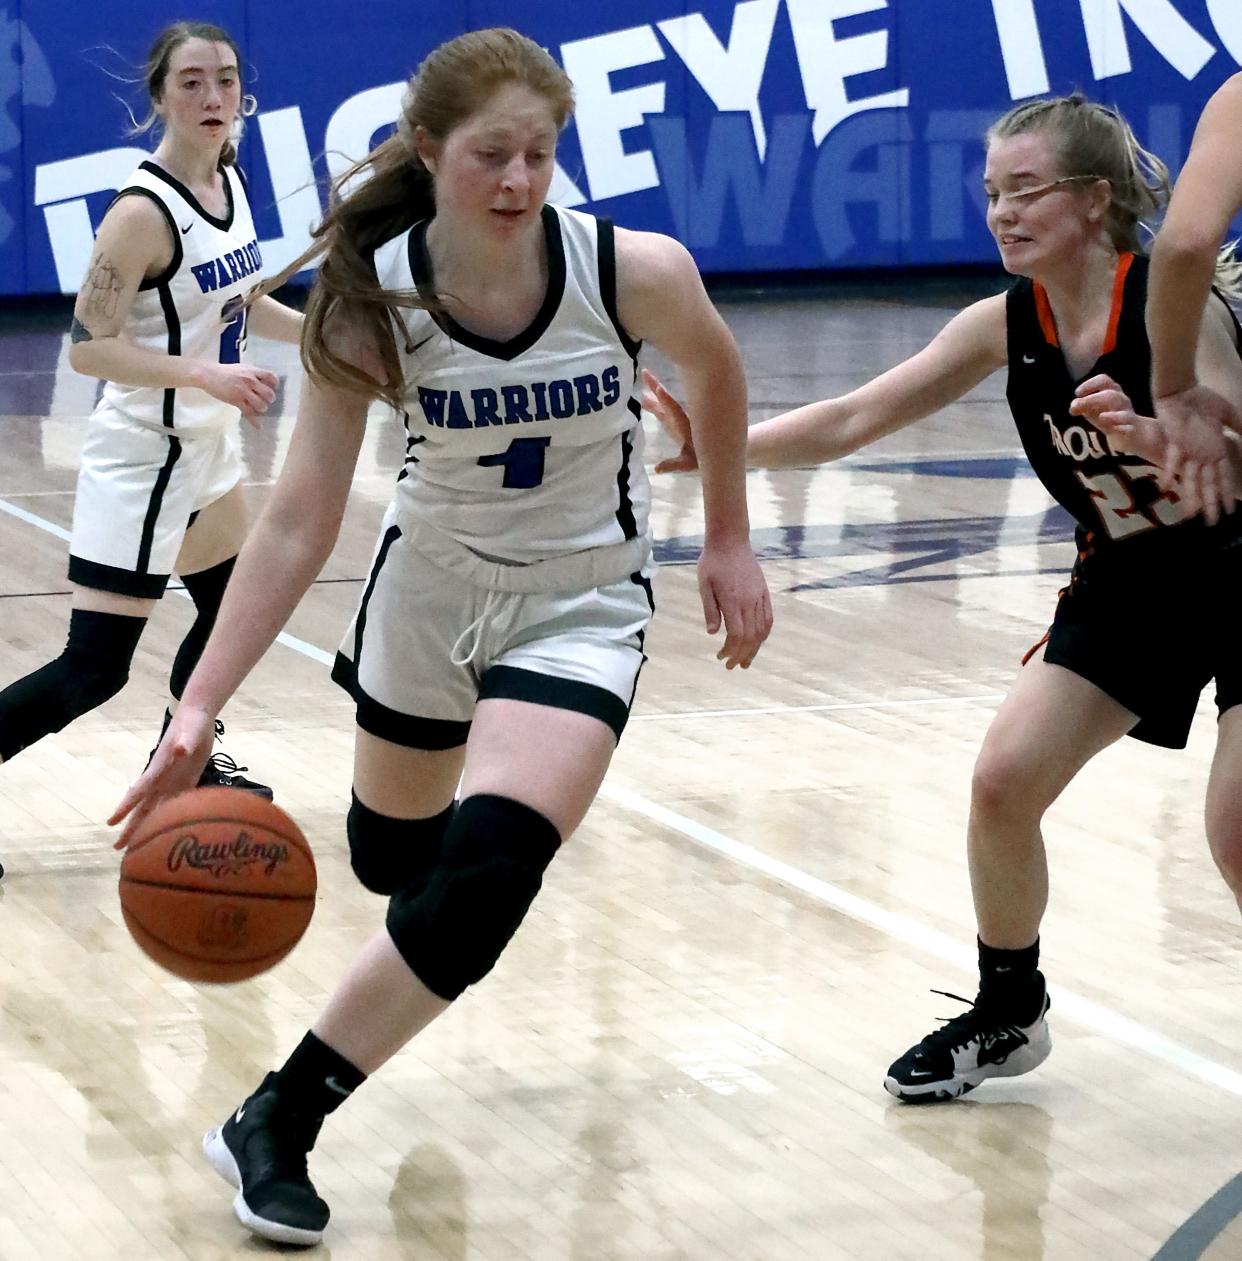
x,y
315,1079
1010,981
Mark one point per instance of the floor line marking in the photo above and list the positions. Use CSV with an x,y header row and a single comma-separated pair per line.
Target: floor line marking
x,y
1082,1011
50,527
827,707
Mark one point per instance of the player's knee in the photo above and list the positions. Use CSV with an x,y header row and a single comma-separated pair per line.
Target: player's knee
x,y
95,664
1001,785
495,854
388,854
95,681
93,668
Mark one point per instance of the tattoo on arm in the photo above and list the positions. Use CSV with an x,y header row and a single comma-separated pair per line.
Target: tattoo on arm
x,y
78,332
103,288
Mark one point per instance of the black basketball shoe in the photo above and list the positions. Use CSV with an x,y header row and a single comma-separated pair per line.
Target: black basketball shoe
x,y
968,1050
261,1149
222,771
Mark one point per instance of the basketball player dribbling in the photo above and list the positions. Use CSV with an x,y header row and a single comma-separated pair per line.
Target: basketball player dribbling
x,y
500,635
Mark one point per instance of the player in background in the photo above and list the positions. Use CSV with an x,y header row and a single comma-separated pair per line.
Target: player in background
x,y
1147,618
162,318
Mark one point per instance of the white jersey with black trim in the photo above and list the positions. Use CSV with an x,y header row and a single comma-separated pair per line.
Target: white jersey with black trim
x,y
196,306
532,447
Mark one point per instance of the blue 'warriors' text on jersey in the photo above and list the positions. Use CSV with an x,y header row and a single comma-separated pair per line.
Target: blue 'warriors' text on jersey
x,y
532,447
196,306
1113,497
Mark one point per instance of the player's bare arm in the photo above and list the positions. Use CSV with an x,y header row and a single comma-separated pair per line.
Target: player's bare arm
x,y
1207,197
275,321
133,242
661,299
133,245
968,349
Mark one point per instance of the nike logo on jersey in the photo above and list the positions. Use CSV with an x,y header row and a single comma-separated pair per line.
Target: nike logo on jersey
x,y
241,1112
1028,358
409,350
542,400
187,227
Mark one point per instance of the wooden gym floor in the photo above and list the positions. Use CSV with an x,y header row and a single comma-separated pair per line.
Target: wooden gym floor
x,y
681,1055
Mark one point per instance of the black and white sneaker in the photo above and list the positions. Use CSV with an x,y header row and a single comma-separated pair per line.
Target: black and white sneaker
x,y
261,1150
222,771
968,1050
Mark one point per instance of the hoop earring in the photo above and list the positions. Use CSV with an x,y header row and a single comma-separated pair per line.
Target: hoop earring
x,y
249,106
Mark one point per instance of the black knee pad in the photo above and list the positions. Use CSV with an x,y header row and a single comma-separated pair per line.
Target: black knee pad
x,y
93,668
388,854
495,854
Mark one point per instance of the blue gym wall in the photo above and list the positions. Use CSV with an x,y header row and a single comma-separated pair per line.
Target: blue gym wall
x,y
767,134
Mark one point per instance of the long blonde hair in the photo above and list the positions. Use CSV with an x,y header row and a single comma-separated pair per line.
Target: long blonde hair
x,y
397,191
1091,139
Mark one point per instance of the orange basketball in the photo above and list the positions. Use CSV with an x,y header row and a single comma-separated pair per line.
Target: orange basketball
x,y
218,885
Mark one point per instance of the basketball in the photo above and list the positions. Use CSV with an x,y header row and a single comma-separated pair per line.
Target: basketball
x,y
218,885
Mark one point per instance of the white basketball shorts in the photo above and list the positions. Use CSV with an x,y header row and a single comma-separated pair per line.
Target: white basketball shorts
x,y
439,628
138,487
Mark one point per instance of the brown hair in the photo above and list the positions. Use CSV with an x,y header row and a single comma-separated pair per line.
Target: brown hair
x,y
156,72
1094,141
390,190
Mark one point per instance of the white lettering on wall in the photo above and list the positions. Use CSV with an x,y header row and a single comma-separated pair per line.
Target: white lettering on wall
x,y
1164,28
293,186
1021,49
730,76
603,114
1226,16
826,61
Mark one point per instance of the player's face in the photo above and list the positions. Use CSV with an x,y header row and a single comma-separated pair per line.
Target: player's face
x,y
494,169
1039,218
202,94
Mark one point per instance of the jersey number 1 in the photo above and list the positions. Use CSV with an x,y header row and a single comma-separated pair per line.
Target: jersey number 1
x,y
522,462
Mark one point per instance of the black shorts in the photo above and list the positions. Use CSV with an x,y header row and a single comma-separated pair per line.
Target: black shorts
x,y
1153,635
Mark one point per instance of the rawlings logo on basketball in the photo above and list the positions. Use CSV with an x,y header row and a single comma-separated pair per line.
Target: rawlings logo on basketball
x,y
226,858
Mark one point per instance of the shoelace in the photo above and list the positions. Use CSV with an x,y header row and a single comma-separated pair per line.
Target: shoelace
x,y
224,766
221,764
970,1026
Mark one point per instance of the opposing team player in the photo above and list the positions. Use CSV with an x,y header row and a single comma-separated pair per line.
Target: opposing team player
x,y
500,634
162,319
1148,616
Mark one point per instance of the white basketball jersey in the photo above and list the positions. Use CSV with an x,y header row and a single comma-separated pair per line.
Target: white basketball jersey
x,y
196,307
532,447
